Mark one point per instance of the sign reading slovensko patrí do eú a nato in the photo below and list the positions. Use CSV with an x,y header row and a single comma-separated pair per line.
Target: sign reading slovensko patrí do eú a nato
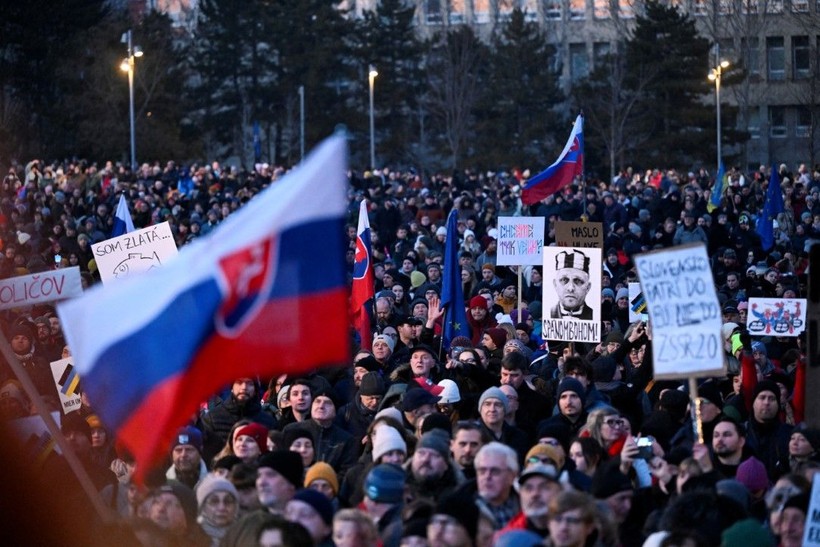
x,y
685,318
520,241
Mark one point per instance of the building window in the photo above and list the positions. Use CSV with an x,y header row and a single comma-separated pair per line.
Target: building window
x,y
750,6
626,9
774,6
600,50
578,62
726,7
530,8
456,16
751,55
577,9
699,7
801,57
432,11
775,58
553,10
777,121
754,123
481,11
505,9
803,126
800,6
602,9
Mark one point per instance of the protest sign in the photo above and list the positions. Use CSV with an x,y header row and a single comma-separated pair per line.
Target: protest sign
x,y
134,252
571,294
684,311
637,303
811,528
579,234
520,240
50,286
36,440
66,380
776,316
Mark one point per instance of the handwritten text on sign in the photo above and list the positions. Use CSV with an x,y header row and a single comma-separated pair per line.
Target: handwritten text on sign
x,y
134,252
520,241
579,234
683,307
26,290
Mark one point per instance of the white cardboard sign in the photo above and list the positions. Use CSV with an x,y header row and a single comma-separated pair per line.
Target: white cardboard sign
x,y
571,299
684,312
26,290
66,379
135,252
520,240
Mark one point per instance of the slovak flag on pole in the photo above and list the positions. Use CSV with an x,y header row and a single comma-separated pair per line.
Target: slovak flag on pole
x,y
262,295
122,219
569,165
363,291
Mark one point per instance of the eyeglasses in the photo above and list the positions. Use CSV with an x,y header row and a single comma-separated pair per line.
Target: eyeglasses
x,y
614,422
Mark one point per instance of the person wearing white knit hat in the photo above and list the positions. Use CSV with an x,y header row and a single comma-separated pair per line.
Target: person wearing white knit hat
x,y
218,503
388,446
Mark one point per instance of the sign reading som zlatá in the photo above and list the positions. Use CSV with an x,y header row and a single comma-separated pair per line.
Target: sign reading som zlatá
x,y
134,252
520,241
50,286
684,312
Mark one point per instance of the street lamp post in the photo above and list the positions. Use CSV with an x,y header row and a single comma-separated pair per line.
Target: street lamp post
x,y
301,122
714,75
372,73
128,65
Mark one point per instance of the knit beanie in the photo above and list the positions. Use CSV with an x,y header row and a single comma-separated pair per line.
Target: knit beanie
x,y
752,474
614,336
76,424
571,384
386,439
188,435
603,369
767,385
546,451
184,495
417,279
478,302
759,346
811,435
555,430
213,483
494,393
436,440
465,511
437,420
622,293
608,481
385,484
748,533
498,336
286,463
386,339
451,394
293,433
372,385
368,363
258,432
800,501
318,502
711,392
322,470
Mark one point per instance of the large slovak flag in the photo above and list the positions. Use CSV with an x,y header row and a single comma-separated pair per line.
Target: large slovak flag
x,y
363,290
569,165
122,219
264,294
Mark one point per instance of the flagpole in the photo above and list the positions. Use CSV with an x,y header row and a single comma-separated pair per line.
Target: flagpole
x,y
68,452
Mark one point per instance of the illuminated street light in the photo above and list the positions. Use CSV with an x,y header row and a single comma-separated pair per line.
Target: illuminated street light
x,y
372,73
128,64
715,75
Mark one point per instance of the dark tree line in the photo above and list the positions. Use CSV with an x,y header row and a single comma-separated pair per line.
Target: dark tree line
x,y
452,101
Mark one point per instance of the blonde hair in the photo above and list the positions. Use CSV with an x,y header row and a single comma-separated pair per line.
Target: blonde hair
x,y
366,528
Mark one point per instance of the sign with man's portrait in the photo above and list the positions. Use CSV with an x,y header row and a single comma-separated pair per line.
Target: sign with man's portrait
x,y
572,294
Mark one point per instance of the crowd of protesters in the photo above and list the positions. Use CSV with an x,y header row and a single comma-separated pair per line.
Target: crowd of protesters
x,y
502,438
